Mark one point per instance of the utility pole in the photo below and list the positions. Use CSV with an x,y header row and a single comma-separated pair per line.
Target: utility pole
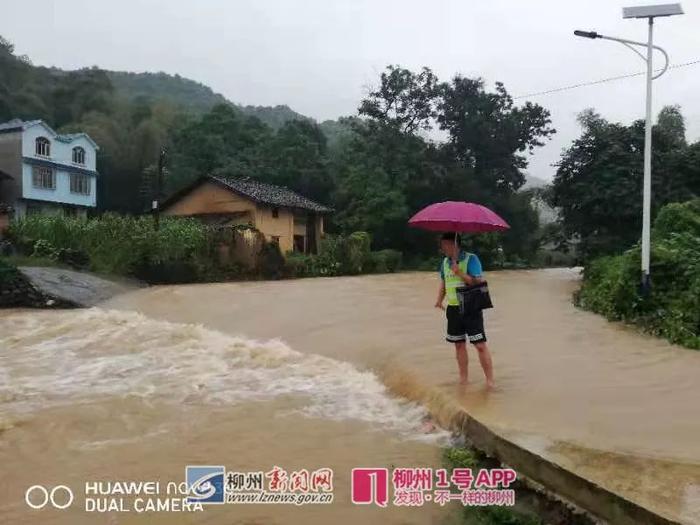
x,y
159,185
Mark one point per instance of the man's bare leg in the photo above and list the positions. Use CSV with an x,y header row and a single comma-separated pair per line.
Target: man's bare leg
x,y
462,361
486,363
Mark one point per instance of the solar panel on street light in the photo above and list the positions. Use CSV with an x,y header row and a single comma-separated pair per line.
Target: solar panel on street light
x,y
646,11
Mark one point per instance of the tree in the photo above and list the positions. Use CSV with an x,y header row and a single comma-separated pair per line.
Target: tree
x,y
405,101
482,161
297,158
369,195
488,133
598,184
672,124
376,168
80,92
223,142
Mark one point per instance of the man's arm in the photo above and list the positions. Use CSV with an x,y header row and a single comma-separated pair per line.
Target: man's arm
x,y
473,275
441,296
468,279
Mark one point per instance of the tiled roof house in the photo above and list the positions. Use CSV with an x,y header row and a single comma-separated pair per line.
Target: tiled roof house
x,y
285,217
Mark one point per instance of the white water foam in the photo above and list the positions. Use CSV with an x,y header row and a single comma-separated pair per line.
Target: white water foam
x,y
66,357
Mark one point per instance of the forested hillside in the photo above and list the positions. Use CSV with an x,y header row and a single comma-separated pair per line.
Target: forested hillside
x,y
173,89
131,115
190,95
375,168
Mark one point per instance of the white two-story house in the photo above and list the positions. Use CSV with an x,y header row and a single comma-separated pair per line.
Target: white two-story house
x,y
44,172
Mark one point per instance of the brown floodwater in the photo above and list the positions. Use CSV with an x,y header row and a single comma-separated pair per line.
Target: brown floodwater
x,y
334,373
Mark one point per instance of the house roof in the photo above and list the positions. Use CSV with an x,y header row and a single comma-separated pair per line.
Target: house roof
x,y
20,125
17,125
259,192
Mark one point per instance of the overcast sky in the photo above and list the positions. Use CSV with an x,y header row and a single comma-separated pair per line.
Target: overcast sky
x,y
319,56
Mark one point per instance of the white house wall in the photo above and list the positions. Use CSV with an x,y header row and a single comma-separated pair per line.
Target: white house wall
x,y
61,152
62,193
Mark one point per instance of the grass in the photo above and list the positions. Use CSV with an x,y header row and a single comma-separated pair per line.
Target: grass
x,y
459,457
26,260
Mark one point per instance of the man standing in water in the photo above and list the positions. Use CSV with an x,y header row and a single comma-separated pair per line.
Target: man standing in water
x,y
459,268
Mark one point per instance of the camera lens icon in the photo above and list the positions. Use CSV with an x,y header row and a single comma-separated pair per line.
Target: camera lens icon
x,y
37,497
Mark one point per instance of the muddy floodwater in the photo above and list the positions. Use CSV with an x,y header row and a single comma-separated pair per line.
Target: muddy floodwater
x,y
336,373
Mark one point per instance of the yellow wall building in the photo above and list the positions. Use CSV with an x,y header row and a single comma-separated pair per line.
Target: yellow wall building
x,y
283,216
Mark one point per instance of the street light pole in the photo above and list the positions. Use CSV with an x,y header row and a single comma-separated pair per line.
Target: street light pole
x,y
648,12
646,205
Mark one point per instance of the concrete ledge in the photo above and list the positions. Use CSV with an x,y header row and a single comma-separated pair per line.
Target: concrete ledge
x,y
81,289
16,291
587,495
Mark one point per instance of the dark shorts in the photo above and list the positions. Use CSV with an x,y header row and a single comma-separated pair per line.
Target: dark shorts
x,y
463,328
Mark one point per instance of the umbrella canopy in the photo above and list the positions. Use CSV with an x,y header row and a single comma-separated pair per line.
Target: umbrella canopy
x,y
454,216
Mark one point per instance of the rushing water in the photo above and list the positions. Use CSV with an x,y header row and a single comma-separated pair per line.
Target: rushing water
x,y
337,373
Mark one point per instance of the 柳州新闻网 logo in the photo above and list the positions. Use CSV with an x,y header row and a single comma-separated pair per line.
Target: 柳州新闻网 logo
x,y
205,484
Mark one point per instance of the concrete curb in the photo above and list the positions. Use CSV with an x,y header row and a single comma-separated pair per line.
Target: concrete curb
x,y
593,498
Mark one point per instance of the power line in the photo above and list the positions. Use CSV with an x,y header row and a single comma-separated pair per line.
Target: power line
x,y
601,81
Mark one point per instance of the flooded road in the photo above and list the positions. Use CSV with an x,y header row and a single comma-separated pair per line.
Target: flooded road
x,y
319,372
110,395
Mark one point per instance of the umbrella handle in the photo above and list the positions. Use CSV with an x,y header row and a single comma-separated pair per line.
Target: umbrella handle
x,y
455,261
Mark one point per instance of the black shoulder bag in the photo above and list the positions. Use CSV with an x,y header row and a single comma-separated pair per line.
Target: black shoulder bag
x,y
474,298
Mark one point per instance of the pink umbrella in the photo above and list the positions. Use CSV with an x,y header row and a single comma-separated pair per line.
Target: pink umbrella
x,y
454,216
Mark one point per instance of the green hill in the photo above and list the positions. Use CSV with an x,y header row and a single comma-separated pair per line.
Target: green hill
x,y
28,91
273,116
174,89
336,130
190,95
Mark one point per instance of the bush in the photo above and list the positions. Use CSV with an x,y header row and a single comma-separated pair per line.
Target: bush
x,y
182,250
301,265
515,264
328,262
487,246
356,252
672,310
167,272
44,249
431,264
8,274
271,261
7,249
554,259
339,255
455,457
298,265
385,261
75,258
678,218
115,243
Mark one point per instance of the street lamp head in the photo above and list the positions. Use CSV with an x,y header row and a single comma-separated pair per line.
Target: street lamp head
x,y
586,34
652,11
